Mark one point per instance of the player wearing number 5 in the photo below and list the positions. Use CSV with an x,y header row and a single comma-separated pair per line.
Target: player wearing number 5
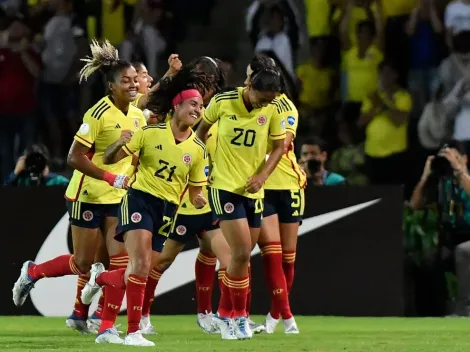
x,y
170,158
283,210
247,118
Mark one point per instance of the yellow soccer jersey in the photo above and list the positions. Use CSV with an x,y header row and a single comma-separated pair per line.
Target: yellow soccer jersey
x,y
166,167
136,101
186,207
287,175
101,127
242,140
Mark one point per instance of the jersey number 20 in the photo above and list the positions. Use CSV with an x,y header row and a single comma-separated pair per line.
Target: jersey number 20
x,y
248,137
165,165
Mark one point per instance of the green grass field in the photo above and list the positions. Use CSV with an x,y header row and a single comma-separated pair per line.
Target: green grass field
x,y
318,334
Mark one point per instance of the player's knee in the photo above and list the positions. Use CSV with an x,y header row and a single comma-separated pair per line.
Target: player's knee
x,y
83,264
241,255
163,264
141,266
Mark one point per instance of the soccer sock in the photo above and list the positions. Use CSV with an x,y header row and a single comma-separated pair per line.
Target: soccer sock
x,y
57,267
99,307
238,287
149,296
114,290
204,269
225,303
80,310
288,262
248,297
135,291
271,254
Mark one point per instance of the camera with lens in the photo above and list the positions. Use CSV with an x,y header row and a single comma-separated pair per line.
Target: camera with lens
x,y
36,161
314,166
440,166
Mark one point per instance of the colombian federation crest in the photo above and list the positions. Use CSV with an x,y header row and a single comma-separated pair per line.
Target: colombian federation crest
x,y
181,230
136,123
261,120
187,158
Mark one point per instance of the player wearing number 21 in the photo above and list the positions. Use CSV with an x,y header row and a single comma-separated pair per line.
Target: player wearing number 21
x,y
247,118
171,157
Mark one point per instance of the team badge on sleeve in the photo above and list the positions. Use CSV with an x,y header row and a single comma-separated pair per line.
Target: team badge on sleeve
x,y
291,120
261,120
187,158
136,217
84,128
206,170
181,230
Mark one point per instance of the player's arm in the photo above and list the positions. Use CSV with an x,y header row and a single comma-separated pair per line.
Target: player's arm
x,y
198,179
210,116
175,65
291,118
114,148
78,153
277,133
115,153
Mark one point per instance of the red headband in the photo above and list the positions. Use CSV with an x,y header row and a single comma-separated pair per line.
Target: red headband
x,y
185,95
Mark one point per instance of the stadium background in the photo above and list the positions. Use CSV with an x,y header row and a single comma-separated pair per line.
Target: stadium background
x,y
358,265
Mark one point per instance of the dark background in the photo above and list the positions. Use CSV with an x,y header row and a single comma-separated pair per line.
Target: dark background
x,y
351,267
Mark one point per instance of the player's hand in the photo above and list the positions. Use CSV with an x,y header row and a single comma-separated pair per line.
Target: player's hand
x,y
116,181
126,136
20,165
199,202
427,168
255,183
455,159
175,64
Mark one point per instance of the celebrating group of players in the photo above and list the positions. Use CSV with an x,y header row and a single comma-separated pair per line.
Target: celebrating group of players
x,y
145,183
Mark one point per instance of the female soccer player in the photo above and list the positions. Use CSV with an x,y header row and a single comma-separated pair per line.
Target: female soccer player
x,y
198,222
171,157
283,210
247,117
96,189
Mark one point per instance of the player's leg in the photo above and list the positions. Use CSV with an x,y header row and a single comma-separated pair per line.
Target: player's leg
x,y
85,232
212,244
118,259
162,258
230,210
101,256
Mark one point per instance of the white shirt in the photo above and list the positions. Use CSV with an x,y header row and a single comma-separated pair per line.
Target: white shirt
x,y
280,44
457,16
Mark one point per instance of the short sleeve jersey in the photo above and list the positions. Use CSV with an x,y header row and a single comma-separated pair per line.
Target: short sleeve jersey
x,y
242,140
165,166
287,175
102,126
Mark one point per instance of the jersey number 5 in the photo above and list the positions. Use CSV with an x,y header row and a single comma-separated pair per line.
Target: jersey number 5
x,y
248,137
165,166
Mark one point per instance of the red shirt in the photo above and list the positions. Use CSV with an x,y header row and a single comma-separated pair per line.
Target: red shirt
x,y
18,86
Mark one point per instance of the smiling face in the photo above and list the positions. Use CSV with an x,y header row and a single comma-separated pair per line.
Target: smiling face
x,y
125,85
144,79
189,111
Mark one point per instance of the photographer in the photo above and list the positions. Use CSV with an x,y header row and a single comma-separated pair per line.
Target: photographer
x,y
32,170
313,157
445,178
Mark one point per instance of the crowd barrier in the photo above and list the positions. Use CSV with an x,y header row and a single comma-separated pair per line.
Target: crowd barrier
x,y
349,256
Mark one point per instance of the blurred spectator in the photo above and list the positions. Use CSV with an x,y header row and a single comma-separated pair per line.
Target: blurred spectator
x,y
274,38
318,15
433,125
319,84
349,159
424,29
32,169
313,158
4,22
384,116
59,88
20,66
255,20
361,60
455,76
148,17
457,18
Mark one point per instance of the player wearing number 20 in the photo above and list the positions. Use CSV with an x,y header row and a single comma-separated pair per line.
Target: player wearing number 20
x,y
171,157
247,118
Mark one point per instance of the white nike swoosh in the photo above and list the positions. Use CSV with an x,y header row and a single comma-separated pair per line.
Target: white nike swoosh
x,y
55,296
